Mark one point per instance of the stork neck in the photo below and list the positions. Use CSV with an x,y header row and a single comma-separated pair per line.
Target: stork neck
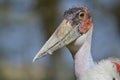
x,y
81,51
82,60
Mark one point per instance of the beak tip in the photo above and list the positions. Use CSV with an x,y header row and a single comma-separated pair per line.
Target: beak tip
x,y
39,55
34,59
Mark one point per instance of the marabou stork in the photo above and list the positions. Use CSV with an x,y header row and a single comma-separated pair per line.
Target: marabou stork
x,y
75,32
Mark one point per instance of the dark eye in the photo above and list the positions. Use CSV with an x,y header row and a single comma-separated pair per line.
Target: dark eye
x,y
81,15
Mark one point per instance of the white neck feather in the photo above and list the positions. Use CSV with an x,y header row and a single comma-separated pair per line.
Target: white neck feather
x,y
81,50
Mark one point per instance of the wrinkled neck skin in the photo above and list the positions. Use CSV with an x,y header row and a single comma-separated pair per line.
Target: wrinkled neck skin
x,y
81,51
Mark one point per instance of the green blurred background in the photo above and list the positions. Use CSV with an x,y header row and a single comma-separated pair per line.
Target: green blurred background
x,y
25,25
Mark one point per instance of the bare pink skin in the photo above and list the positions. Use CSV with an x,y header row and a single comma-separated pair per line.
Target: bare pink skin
x,y
117,66
87,23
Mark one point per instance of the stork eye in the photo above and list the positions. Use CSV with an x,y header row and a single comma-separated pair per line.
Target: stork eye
x,y
81,15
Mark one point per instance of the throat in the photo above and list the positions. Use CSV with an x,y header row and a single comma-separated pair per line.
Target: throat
x,y
81,51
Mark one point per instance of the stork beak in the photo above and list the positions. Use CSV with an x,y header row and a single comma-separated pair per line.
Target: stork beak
x,y
64,34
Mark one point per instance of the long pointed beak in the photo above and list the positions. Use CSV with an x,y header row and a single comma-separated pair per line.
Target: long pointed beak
x,y
63,35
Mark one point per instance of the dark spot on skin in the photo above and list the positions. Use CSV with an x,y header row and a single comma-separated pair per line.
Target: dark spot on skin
x,y
67,21
113,78
113,66
75,21
89,16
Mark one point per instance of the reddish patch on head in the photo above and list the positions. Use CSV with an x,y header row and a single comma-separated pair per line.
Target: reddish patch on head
x,y
86,23
117,66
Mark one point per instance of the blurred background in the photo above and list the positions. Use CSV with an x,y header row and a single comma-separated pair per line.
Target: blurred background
x,y
25,25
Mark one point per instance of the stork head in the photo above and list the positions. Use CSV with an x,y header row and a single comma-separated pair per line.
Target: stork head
x,y
77,22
